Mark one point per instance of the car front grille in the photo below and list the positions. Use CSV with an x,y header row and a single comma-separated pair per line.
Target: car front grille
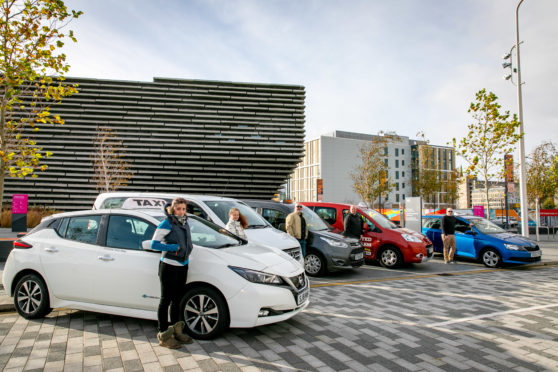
x,y
294,253
531,249
298,282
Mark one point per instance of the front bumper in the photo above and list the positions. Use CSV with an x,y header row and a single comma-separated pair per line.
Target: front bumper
x,y
277,302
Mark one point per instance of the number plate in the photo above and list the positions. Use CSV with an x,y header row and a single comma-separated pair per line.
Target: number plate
x,y
302,297
536,254
359,256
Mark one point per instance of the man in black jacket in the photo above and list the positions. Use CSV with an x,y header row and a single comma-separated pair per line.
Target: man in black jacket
x,y
448,235
353,224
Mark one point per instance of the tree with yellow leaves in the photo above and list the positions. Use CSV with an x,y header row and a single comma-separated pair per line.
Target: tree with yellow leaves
x,y
490,137
31,80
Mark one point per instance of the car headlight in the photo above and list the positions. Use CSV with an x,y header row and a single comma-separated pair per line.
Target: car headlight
x,y
255,276
411,238
514,247
334,243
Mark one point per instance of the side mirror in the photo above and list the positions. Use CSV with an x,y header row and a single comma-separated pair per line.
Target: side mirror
x,y
366,227
470,232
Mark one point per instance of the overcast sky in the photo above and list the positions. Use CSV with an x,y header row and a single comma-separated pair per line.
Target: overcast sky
x,y
370,65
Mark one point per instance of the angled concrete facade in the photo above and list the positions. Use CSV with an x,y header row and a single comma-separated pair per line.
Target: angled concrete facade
x,y
201,137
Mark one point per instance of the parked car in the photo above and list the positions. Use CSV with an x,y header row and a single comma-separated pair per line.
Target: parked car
x,y
212,208
325,250
382,240
485,241
99,260
511,225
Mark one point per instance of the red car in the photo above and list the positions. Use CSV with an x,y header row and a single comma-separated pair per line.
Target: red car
x,y
382,239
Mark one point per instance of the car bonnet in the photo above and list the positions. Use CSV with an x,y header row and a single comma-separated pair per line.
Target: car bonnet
x,y
271,237
257,257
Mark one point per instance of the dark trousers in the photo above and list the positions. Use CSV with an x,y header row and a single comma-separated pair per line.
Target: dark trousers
x,y
302,246
173,281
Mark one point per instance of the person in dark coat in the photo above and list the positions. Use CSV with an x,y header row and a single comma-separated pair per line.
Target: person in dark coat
x,y
353,224
448,235
172,237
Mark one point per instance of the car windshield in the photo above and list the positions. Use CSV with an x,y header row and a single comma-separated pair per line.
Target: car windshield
x,y
315,223
222,207
485,226
379,219
208,234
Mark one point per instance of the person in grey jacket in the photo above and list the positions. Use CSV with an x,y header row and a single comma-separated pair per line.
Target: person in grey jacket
x,y
237,223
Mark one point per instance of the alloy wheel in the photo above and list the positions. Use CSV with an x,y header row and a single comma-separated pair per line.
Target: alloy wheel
x,y
29,296
201,314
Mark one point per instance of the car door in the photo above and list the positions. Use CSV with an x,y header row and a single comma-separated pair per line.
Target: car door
x,y
433,231
127,274
465,242
370,239
70,259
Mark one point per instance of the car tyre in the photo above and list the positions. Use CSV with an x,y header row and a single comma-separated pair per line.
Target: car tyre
x,y
205,312
491,258
314,264
31,297
390,257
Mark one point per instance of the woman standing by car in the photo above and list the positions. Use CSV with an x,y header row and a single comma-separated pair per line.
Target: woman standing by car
x,y
237,223
172,237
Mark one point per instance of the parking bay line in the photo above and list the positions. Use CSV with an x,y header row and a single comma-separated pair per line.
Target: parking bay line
x,y
477,317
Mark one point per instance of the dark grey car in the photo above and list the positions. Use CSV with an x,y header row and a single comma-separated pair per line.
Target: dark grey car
x,y
325,250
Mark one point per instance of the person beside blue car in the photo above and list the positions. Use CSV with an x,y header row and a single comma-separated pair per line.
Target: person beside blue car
x,y
479,239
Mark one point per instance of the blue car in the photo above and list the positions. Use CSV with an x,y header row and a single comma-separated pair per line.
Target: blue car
x,y
484,241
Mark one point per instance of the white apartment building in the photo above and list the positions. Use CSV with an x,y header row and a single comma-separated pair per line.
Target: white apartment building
x,y
325,171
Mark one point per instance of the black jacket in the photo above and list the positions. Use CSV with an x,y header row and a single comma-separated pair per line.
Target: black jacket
x,y
448,225
178,234
353,226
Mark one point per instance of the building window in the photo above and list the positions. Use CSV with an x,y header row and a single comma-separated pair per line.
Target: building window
x,y
396,151
397,186
403,185
403,174
397,197
402,151
385,151
402,163
396,163
403,196
396,175
386,162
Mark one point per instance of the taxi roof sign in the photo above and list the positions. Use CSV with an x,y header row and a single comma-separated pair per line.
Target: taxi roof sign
x,y
144,203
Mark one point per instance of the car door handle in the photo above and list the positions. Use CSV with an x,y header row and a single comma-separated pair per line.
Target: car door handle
x,y
52,250
105,258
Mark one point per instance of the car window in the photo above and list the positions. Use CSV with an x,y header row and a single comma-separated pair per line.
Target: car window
x,y
315,223
111,203
207,234
462,226
275,218
196,210
431,223
222,207
83,229
329,215
128,232
485,226
380,219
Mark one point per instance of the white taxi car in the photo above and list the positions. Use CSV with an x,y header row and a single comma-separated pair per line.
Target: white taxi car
x,y
98,260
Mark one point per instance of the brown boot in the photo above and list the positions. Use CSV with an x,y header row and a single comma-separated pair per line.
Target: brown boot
x,y
182,337
166,339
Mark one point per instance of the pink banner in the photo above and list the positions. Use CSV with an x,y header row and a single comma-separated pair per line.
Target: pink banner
x,y
478,210
19,203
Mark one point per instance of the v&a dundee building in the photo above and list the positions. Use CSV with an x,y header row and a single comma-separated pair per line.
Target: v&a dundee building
x,y
240,140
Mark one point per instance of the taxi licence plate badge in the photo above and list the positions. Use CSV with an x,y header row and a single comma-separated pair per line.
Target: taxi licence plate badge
x,y
302,297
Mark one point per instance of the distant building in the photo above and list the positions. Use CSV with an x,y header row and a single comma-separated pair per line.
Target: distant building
x,y
325,171
190,136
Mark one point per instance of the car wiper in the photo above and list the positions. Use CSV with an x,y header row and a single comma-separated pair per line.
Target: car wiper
x,y
228,245
256,226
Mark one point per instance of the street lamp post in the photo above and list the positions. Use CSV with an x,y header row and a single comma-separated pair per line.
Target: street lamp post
x,y
522,175
522,172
